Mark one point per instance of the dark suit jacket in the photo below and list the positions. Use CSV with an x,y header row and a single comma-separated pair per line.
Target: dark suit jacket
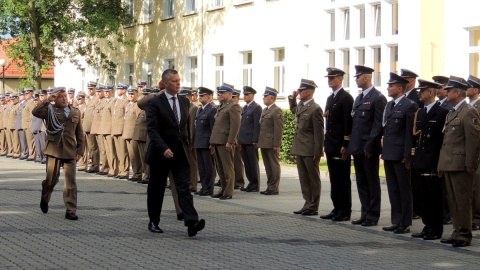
x,y
204,121
338,114
413,96
429,142
367,128
250,125
163,130
398,129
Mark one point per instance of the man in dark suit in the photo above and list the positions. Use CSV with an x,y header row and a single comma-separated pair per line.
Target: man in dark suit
x,y
411,91
167,124
248,138
337,135
367,113
397,153
428,134
204,120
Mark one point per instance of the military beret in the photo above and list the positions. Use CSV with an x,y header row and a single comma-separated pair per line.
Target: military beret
x,y
307,84
474,81
204,91
236,93
408,73
122,86
91,84
440,79
424,84
334,72
362,70
132,90
225,87
395,78
249,90
269,91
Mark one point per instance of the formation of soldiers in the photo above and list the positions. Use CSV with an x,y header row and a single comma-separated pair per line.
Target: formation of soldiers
x,y
427,136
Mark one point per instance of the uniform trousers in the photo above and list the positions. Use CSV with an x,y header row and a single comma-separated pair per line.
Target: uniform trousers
x,y
16,152
23,143
9,143
39,139
368,186
250,162
103,153
134,157
110,152
142,151
206,169
93,152
193,169
459,187
239,169
476,200
340,183
70,186
225,168
272,168
399,192
30,144
3,142
429,186
83,162
121,154
309,175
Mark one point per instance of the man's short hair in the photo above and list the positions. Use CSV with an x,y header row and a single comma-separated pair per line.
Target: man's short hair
x,y
166,74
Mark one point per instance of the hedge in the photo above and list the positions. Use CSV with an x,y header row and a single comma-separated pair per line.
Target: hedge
x,y
289,127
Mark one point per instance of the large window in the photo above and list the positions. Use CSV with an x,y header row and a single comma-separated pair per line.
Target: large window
x,y
474,57
279,69
331,58
168,63
129,73
168,9
190,6
395,19
147,11
331,15
247,68
377,63
394,58
361,56
346,68
191,71
219,65
377,20
147,72
346,24
216,4
361,24
130,9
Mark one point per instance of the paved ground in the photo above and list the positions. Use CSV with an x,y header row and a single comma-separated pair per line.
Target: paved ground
x,y
252,231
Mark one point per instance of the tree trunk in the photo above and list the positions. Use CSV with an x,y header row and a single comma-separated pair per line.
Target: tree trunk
x,y
36,47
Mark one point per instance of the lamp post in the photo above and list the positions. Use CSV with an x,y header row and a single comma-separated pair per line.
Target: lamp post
x,y
3,63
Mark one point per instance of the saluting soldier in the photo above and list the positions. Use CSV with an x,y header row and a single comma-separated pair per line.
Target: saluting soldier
x,y
398,141
120,146
472,94
92,151
459,160
270,140
12,120
27,122
441,92
131,113
8,134
3,139
365,145
204,121
308,144
223,140
429,122
238,165
411,92
82,106
337,135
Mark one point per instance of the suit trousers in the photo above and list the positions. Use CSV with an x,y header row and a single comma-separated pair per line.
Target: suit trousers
x,y
103,153
459,187
9,142
206,169
368,186
30,144
430,200
273,170
121,154
225,168
16,150
476,199
193,169
134,157
23,143
93,152
39,139
239,169
111,157
173,189
3,142
309,175
69,187
340,183
180,169
399,192
250,162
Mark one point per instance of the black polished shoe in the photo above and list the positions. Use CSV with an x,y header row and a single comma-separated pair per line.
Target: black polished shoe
x,y
447,221
44,206
196,192
340,218
475,227
194,228
30,159
401,230
154,228
225,197
134,179
390,228
298,212
143,182
111,175
358,221
431,237
252,190
415,216
218,195
22,158
121,177
369,223
269,192
460,243
91,171
101,173
328,216
309,212
71,216
448,241
204,193
419,235
180,216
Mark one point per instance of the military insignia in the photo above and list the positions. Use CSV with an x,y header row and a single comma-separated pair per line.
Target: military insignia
x,y
366,103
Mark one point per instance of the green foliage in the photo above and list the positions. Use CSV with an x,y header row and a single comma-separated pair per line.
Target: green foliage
x,y
73,27
287,139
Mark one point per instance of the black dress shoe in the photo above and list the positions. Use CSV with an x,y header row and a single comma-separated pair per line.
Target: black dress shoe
x,y
180,216
134,179
269,192
390,228
243,189
143,182
448,241
447,222
71,216
340,218
252,190
91,171
419,235
23,158
328,216
369,223
415,216
309,212
101,173
263,192
121,177
44,206
460,243
431,237
358,221
401,230
218,195
111,175
225,197
196,192
194,228
204,193
475,227
298,212
154,228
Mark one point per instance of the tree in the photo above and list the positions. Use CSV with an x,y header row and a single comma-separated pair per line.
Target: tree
x,y
72,27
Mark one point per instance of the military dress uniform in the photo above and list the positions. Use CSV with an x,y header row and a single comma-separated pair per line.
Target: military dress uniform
x,y
411,94
475,83
120,146
308,144
19,128
12,120
140,135
8,132
26,124
270,136
95,130
3,139
238,166
105,130
131,113
83,162
460,149
92,152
